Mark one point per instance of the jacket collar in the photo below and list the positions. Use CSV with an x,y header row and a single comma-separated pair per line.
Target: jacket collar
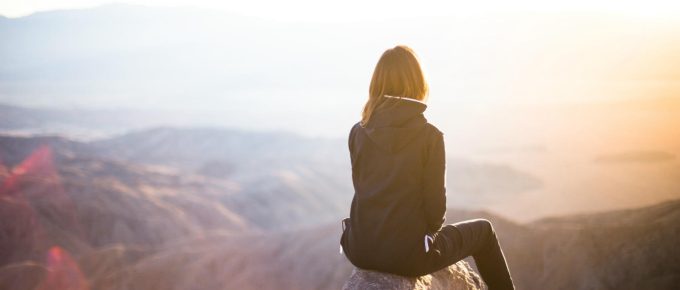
x,y
396,122
404,98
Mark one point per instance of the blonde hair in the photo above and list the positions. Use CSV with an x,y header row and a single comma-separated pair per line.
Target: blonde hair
x,y
397,73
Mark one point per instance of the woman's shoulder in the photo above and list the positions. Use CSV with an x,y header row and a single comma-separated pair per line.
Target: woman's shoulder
x,y
354,128
433,129
352,133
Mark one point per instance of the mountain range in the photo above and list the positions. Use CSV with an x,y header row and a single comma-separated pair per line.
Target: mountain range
x,y
128,224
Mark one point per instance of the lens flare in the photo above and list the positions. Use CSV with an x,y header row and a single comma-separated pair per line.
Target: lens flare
x,y
27,190
63,272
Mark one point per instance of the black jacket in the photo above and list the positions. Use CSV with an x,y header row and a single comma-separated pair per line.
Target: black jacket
x,y
398,171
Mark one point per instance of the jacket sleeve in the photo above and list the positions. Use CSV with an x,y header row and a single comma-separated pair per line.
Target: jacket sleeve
x,y
434,184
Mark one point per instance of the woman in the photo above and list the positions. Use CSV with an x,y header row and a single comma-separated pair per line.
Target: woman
x,y
398,171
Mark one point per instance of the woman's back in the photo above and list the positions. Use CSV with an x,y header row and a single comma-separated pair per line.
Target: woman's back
x,y
394,158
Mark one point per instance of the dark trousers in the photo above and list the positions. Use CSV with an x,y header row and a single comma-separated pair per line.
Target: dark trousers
x,y
475,238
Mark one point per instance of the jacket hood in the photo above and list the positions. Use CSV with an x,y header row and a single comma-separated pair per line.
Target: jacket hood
x,y
396,123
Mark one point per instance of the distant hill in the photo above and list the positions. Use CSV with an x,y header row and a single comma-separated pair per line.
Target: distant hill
x,y
137,226
82,124
322,163
635,157
191,149
623,249
291,191
80,203
308,259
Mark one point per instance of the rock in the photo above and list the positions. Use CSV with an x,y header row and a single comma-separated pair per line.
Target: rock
x,y
459,276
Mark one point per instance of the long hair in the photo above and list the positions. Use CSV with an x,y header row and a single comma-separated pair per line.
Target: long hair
x,y
397,73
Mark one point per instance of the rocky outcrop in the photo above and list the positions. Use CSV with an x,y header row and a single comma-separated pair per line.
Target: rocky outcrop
x,y
459,276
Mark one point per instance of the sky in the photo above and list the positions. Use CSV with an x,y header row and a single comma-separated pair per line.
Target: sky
x,y
358,10
540,52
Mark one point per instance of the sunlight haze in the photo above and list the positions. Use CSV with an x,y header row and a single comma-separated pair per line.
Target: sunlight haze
x,y
138,135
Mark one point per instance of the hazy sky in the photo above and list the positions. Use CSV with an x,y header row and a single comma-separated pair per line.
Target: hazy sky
x,y
353,10
539,52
